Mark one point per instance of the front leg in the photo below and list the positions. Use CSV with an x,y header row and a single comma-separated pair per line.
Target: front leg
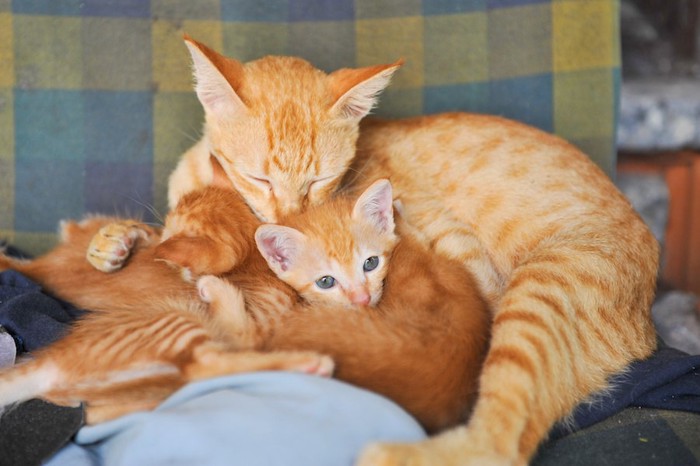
x,y
432,224
113,244
457,447
227,310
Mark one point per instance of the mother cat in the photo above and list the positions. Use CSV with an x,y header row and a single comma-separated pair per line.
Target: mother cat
x,y
568,266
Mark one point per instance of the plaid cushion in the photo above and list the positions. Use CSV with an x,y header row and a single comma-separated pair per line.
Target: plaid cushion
x,y
96,103
640,437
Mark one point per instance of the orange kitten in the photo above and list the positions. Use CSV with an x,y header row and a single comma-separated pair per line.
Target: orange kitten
x,y
567,264
145,337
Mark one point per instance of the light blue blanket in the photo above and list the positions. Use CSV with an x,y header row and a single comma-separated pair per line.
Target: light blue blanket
x,y
265,418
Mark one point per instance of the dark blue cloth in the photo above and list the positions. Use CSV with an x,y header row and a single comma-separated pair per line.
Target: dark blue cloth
x,y
34,430
31,316
669,379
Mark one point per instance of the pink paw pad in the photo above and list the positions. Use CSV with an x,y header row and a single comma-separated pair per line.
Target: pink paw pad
x,y
322,367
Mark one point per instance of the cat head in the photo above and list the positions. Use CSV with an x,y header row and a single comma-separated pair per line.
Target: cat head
x,y
336,253
283,131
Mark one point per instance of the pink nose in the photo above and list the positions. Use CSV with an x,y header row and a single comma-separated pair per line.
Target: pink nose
x,y
360,297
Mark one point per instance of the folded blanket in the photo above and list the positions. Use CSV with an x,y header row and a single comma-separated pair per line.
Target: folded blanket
x,y
669,379
263,418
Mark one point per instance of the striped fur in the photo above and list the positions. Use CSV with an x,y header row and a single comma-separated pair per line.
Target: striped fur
x,y
566,263
146,336
398,348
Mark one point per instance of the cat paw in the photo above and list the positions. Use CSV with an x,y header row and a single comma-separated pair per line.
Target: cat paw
x,y
312,364
227,309
112,245
322,367
206,287
449,449
386,454
215,290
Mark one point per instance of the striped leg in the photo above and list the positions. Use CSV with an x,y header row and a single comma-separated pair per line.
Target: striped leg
x,y
435,226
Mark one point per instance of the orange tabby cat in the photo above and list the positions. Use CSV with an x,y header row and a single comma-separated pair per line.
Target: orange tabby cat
x,y
145,337
382,318
568,265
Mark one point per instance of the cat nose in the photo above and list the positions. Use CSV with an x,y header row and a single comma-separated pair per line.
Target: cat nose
x,y
287,204
360,296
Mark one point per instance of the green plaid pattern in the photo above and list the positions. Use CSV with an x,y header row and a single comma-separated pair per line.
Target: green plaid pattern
x,y
96,103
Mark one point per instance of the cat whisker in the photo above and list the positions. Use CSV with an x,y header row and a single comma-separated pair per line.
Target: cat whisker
x,y
193,135
150,208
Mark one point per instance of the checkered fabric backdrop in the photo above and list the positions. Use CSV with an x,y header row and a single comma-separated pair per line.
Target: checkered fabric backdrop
x,y
96,103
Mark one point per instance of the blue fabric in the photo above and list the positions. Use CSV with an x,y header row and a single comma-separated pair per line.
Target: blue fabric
x,y
32,317
265,418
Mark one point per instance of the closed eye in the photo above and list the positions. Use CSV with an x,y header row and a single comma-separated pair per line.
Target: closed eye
x,y
260,181
319,182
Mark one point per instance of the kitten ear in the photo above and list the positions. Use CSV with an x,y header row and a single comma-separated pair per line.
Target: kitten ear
x,y
280,246
375,206
356,90
200,255
216,79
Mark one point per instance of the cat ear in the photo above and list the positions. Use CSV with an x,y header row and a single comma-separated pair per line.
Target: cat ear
x,y
216,78
280,246
375,206
356,90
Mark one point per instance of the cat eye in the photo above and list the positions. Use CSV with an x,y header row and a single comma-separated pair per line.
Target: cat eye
x,y
263,183
325,282
319,183
370,264
323,179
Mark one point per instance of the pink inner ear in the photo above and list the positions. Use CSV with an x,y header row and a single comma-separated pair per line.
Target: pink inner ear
x,y
275,253
356,90
378,207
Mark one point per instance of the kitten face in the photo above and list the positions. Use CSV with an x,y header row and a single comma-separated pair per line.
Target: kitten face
x,y
283,131
339,259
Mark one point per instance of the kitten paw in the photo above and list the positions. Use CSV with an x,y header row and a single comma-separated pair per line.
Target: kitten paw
x,y
227,309
204,287
311,363
323,366
112,245
214,290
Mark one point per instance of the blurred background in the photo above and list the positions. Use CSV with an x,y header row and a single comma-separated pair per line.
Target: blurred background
x,y
658,165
